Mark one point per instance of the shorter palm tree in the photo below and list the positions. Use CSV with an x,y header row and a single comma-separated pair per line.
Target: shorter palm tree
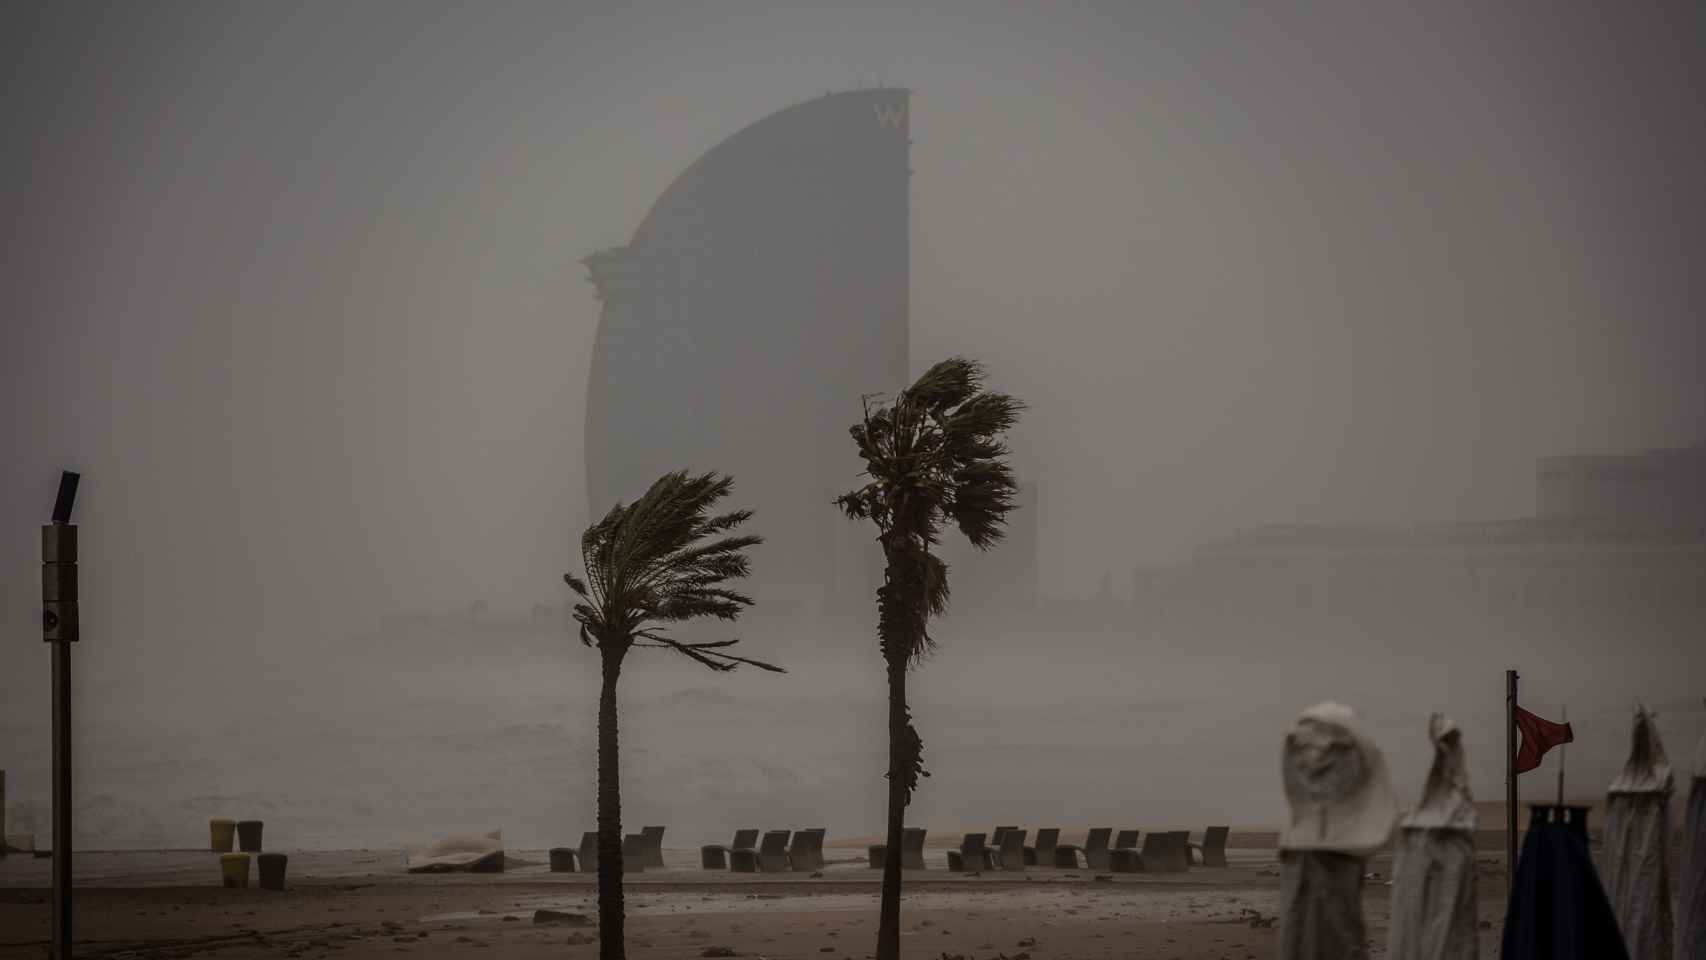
x,y
662,559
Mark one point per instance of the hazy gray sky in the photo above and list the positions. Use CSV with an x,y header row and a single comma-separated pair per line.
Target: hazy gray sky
x,y
296,284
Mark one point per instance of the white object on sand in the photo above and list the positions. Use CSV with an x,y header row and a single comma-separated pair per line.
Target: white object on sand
x,y
1637,839
476,852
1342,810
1336,784
1433,892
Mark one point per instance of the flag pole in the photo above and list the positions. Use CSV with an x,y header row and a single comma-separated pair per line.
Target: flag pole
x,y
1510,782
1563,752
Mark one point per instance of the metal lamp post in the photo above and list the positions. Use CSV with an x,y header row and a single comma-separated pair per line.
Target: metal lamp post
x,y
60,627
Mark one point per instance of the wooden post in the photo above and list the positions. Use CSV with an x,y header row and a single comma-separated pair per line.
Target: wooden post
x,y
1510,782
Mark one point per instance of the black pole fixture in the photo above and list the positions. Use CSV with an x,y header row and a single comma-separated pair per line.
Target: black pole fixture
x,y
60,627
1510,783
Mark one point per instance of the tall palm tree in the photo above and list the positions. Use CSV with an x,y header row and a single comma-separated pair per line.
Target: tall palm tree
x,y
935,454
662,559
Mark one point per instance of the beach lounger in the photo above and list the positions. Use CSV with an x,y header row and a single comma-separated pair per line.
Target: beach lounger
x,y
973,854
805,851
1096,848
1212,851
816,846
1165,852
995,845
633,853
588,853
1066,855
1179,851
1012,850
1125,860
817,834
1154,850
1124,857
654,846
911,850
1182,849
1042,855
773,851
715,856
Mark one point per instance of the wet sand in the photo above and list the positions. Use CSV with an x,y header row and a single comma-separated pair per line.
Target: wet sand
x,y
362,904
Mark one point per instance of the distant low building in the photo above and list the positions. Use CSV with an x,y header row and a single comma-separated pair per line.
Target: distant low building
x,y
1657,489
1518,564
460,634
1608,558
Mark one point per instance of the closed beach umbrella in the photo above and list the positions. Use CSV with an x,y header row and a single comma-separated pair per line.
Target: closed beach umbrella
x,y
1433,882
1558,911
1341,810
1637,840
1691,932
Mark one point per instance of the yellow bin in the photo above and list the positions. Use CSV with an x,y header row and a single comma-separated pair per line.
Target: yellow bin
x,y
234,869
224,830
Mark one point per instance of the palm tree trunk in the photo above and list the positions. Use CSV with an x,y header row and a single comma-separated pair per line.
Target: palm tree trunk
x,y
888,925
611,942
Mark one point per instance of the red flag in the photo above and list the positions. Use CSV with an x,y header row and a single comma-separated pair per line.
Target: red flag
x,y
1538,736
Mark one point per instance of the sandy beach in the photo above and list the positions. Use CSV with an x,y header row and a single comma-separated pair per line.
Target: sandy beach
x,y
139,904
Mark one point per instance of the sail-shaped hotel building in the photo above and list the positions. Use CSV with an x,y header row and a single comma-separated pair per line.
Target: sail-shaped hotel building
x,y
762,295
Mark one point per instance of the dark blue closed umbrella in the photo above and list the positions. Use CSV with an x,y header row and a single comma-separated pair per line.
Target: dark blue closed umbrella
x,y
1558,911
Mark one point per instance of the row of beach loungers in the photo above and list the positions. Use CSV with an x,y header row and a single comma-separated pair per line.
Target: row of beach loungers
x,y
639,851
780,851
1165,852
777,852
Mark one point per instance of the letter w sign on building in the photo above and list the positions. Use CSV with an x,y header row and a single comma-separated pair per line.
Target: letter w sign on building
x,y
890,114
